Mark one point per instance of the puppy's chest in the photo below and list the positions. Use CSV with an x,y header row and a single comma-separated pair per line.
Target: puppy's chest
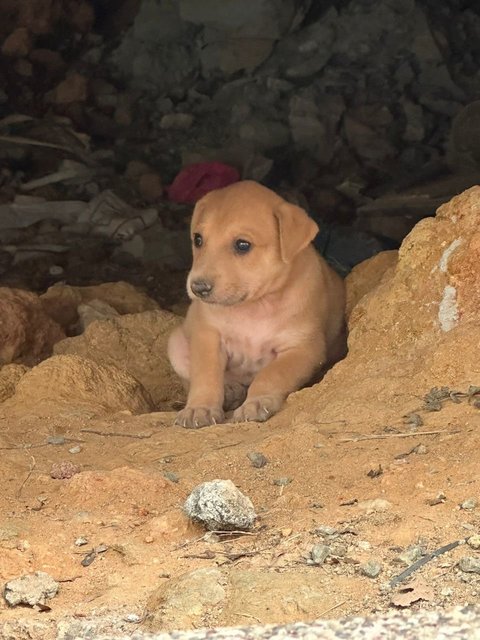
x,y
250,345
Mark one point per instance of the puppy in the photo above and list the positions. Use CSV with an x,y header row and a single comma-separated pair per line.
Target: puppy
x,y
267,312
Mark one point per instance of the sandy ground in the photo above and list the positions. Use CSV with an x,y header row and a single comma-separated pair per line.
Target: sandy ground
x,y
136,472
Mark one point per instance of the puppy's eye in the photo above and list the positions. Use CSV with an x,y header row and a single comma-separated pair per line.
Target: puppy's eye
x,y
197,239
242,246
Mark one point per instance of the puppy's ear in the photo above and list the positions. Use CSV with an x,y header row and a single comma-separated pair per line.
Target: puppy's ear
x,y
198,211
296,229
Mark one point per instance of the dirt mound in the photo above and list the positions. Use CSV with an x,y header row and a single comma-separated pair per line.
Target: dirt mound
x,y
71,383
27,333
136,344
419,328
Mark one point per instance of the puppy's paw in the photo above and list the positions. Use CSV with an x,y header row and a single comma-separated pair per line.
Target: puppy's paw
x,y
235,394
258,409
197,417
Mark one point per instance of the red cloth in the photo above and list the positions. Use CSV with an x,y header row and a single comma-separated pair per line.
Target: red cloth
x,y
196,180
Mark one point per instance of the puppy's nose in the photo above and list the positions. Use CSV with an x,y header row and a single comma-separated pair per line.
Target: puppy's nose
x,y
201,288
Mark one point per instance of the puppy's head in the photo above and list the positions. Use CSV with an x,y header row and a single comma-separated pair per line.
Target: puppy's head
x,y
245,239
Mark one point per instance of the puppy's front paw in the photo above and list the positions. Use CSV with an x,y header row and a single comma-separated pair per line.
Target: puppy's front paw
x,y
197,417
258,409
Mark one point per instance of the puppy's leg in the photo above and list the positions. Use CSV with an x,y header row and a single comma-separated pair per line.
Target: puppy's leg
x,y
178,351
206,372
271,385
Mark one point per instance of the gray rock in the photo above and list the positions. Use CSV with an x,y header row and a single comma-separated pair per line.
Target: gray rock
x,y
267,19
232,55
468,504
30,589
411,555
371,569
257,459
319,553
219,505
469,564
474,542
181,121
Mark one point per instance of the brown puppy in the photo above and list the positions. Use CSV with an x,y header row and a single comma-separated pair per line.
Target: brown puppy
x,y
267,311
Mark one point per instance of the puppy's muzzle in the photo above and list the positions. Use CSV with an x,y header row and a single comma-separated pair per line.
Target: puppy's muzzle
x,y
201,288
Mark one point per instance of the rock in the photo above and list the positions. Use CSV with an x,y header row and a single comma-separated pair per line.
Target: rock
x,y
319,553
81,15
411,555
468,504
181,121
366,276
258,460
151,187
219,505
72,89
94,310
464,138
61,301
136,168
27,333
469,564
199,597
71,383
31,590
474,542
18,44
63,470
156,53
377,504
52,61
184,602
10,375
39,16
230,56
136,344
371,569
267,19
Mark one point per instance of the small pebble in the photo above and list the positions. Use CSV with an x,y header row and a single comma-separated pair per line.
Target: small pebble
x,y
420,450
56,270
371,569
364,545
469,564
79,542
439,499
282,482
446,592
411,555
75,449
258,460
414,420
56,440
325,530
319,554
132,617
63,470
170,475
469,503
149,539
474,542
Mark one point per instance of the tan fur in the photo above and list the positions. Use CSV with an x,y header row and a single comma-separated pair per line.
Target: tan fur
x,y
274,316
